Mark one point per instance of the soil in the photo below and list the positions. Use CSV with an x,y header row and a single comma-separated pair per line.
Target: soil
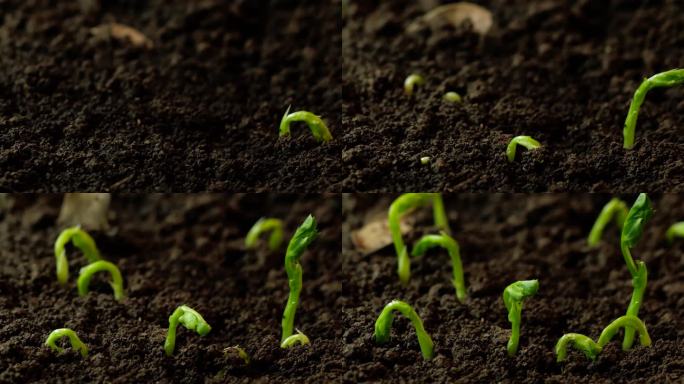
x,y
504,239
171,250
198,111
561,71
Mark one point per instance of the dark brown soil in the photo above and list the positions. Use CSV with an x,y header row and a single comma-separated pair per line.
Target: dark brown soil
x,y
199,111
503,239
561,71
171,250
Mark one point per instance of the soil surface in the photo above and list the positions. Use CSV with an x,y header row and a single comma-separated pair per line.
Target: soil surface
x,y
504,239
171,250
199,110
561,71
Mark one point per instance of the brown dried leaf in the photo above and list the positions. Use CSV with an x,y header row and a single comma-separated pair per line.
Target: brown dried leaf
x,y
123,33
375,234
455,14
88,210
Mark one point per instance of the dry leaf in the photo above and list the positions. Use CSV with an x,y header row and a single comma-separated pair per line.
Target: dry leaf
x,y
455,14
123,33
88,210
375,234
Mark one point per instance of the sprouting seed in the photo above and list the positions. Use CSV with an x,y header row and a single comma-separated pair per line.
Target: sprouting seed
x,y
525,141
411,81
424,160
305,234
190,319
76,343
452,97
615,208
81,240
664,79
513,297
447,242
317,126
89,270
675,230
264,225
580,342
401,206
297,338
384,323
240,352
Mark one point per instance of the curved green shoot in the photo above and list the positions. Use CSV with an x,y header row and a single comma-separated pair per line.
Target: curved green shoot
x,y
452,97
264,225
626,322
241,353
411,81
317,126
615,208
384,323
632,230
89,270
305,234
525,141
297,338
447,242
664,79
400,207
76,343
581,342
190,319
81,240
424,160
675,230
513,297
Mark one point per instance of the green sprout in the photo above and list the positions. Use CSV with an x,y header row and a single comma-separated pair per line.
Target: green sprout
x,y
384,323
664,79
241,353
447,242
401,206
189,318
89,270
411,81
76,343
615,208
525,141
305,234
424,160
632,230
81,240
452,97
265,225
513,297
591,349
316,124
292,340
675,230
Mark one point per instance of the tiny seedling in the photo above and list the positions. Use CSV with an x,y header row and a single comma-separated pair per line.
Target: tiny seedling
x,y
452,97
189,318
297,338
424,160
525,141
76,343
384,323
615,208
675,230
447,242
89,270
317,126
580,342
632,230
411,81
264,225
513,297
81,240
239,351
305,234
664,79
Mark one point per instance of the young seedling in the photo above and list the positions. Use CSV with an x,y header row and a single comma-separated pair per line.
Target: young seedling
x,y
525,141
424,160
411,81
76,343
239,351
632,230
664,79
189,318
384,323
316,124
675,230
581,342
264,225
452,97
447,242
615,208
513,297
81,240
305,234
297,338
89,270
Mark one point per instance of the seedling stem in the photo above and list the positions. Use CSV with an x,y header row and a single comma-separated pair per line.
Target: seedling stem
x,y
384,323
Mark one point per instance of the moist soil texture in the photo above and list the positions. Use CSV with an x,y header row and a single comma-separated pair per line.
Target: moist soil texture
x,y
193,104
171,250
504,239
561,71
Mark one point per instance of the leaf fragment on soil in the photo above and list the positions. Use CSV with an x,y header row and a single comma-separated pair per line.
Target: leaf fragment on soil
x,y
455,14
122,33
89,210
375,234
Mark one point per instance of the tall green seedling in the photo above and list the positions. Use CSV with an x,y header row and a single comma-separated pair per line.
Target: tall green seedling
x,y
513,297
